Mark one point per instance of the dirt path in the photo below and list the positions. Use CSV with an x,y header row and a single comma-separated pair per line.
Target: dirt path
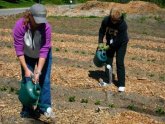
x,y
109,104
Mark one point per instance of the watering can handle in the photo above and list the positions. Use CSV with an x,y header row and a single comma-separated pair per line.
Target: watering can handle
x,y
35,82
103,52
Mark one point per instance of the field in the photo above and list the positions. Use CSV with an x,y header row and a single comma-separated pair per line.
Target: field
x,y
77,97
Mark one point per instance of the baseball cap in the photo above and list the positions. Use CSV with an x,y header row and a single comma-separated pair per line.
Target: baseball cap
x,y
38,12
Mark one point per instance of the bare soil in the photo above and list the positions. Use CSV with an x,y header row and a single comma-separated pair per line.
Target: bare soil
x,y
74,41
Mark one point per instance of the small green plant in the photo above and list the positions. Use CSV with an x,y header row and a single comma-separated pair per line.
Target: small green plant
x,y
111,105
9,46
144,32
83,52
57,49
12,90
158,19
151,75
76,51
131,107
17,92
3,88
84,100
72,99
142,19
98,102
133,58
124,15
66,50
160,111
162,78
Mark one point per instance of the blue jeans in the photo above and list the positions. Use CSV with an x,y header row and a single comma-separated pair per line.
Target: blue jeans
x,y
44,81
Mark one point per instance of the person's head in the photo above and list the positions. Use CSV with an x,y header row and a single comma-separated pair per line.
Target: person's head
x,y
36,15
115,15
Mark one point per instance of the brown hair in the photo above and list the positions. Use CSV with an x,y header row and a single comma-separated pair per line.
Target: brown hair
x,y
26,17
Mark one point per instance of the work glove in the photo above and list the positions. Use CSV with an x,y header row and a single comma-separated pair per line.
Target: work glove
x,y
102,46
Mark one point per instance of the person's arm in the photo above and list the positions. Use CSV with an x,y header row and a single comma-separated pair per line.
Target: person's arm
x,y
18,35
41,63
102,30
28,72
43,52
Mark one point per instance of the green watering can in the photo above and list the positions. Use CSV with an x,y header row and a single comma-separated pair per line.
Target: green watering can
x,y
29,93
100,58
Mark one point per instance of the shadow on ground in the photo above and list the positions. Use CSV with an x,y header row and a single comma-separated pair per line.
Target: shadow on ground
x,y
101,74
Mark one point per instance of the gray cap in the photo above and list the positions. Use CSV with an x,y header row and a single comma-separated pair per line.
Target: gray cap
x,y
38,12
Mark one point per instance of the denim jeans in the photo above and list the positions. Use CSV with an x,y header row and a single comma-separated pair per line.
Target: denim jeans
x,y
44,81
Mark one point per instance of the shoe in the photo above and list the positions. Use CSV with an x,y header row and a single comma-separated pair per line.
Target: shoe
x,y
49,115
49,112
121,89
102,83
25,114
35,114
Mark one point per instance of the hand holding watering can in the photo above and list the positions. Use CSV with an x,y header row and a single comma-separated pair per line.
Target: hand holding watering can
x,y
100,57
30,89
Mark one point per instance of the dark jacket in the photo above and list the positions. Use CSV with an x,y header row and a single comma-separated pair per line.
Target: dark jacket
x,y
117,32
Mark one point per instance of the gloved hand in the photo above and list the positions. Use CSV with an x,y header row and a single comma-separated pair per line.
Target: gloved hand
x,y
102,46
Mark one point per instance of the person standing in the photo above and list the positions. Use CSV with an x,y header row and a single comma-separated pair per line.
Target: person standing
x,y
32,42
114,27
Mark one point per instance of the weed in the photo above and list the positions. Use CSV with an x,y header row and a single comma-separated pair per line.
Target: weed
x,y
142,19
98,102
11,90
3,89
72,99
144,32
151,60
111,105
17,92
92,53
158,19
124,15
83,52
151,75
162,77
57,49
131,107
84,100
9,46
133,58
160,111
79,66
76,51
66,50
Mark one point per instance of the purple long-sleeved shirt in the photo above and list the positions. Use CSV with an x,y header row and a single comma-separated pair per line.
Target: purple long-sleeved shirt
x,y
19,31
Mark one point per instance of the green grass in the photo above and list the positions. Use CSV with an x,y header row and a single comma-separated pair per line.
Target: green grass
x,y
22,3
